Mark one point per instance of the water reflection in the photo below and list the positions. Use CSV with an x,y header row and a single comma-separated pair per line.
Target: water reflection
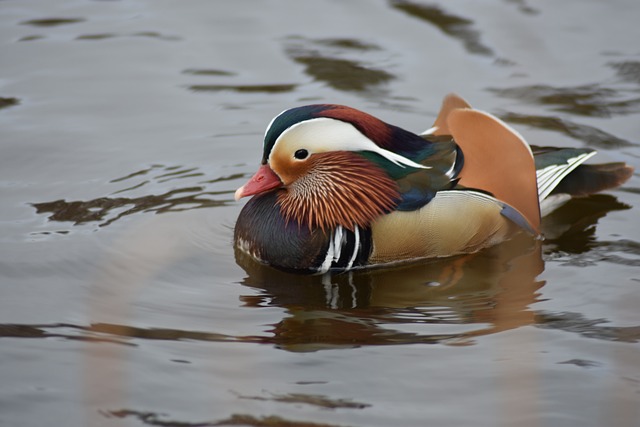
x,y
589,100
309,399
571,238
262,88
145,34
490,290
321,62
121,334
628,71
153,419
31,38
524,7
99,36
105,210
452,25
346,43
208,72
52,22
8,102
591,328
586,100
571,229
584,133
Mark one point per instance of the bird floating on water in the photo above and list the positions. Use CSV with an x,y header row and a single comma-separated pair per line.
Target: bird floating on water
x,y
339,189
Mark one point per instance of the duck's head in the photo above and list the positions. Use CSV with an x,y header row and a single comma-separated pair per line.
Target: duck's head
x,y
332,165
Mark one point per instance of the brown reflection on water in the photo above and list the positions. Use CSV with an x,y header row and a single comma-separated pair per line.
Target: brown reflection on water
x,y
153,419
468,296
457,27
98,36
145,34
628,71
106,210
52,22
587,100
8,102
275,88
571,229
588,135
321,61
524,7
208,72
491,289
100,210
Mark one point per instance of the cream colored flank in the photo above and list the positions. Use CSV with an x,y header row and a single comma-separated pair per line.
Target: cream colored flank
x,y
454,222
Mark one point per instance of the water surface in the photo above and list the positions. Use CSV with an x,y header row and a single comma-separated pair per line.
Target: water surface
x,y
126,126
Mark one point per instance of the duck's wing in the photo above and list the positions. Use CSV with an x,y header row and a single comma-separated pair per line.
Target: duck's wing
x,y
474,150
443,164
554,164
496,160
450,103
562,174
453,222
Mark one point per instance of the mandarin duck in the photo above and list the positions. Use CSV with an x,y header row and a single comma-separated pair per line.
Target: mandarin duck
x,y
339,189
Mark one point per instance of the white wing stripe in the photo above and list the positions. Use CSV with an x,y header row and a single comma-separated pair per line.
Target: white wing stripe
x,y
549,177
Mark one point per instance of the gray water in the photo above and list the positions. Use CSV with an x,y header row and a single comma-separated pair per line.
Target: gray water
x,y
125,127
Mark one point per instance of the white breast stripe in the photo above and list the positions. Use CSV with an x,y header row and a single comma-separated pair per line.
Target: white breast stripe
x,y
333,251
356,247
328,259
337,242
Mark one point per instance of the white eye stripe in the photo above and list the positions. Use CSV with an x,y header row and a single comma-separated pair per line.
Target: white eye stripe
x,y
323,134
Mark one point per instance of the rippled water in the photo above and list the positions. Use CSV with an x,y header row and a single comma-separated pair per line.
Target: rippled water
x,y
125,127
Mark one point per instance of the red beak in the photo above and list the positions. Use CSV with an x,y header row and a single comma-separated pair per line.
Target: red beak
x,y
264,179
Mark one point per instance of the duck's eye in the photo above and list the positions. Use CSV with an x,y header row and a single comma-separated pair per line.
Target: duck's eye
x,y
301,154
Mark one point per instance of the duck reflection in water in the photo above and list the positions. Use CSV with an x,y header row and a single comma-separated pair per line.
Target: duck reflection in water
x,y
491,289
